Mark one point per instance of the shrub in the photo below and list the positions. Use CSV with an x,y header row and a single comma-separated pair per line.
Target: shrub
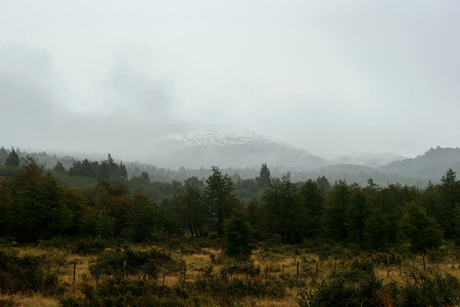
x,y
140,263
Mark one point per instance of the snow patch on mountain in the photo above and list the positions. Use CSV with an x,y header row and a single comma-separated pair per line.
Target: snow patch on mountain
x,y
216,137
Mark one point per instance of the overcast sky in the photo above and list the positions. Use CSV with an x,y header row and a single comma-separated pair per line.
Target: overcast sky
x,y
331,77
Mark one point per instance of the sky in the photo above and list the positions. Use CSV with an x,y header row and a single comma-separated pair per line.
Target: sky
x,y
331,77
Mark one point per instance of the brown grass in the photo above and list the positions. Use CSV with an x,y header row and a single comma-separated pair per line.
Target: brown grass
x,y
197,263
32,301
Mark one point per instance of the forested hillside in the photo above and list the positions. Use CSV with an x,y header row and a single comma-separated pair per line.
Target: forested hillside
x,y
91,199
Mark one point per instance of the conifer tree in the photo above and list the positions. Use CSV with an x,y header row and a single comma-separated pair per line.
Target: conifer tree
x,y
220,198
12,159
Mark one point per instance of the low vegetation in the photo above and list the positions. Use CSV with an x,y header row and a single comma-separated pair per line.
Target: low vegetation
x,y
216,242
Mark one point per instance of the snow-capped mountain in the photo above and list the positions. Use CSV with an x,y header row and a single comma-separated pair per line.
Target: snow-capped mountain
x,y
214,136
226,146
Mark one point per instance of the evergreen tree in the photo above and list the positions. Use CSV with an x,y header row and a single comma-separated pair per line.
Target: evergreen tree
x,y
420,229
284,210
450,198
220,198
39,209
238,235
59,167
142,217
313,202
334,217
3,155
264,177
356,215
12,159
192,208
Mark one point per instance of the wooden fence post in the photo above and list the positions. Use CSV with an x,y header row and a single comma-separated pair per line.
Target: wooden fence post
x,y
452,262
316,272
57,274
400,267
246,267
164,275
424,262
124,269
266,273
298,270
388,267
97,273
74,268
282,272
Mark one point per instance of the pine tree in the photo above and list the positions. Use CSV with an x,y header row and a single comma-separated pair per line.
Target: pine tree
x,y
420,229
12,159
285,211
264,177
220,198
238,235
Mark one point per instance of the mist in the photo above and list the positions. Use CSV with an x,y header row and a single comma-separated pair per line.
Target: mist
x,y
331,78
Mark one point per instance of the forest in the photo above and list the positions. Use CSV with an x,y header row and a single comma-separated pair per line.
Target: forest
x,y
94,206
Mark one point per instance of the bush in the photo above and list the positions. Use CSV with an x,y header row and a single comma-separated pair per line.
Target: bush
x,y
140,263
90,245
360,287
26,275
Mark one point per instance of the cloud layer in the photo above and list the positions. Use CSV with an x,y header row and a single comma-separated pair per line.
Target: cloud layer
x,y
329,77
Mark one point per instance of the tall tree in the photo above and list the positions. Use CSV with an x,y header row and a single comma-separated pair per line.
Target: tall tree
x,y
12,159
264,176
238,235
220,198
39,210
142,218
192,208
284,210
420,229
334,217
313,202
450,198
356,216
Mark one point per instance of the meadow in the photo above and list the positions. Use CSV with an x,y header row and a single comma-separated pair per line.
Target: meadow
x,y
199,273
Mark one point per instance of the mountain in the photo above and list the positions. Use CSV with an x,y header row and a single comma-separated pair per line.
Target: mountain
x,y
368,159
227,146
431,165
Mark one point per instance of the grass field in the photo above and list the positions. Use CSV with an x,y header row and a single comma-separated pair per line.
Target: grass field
x,y
269,264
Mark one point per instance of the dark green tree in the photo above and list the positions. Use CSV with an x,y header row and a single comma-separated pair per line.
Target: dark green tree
x,y
238,235
12,159
450,198
357,214
420,229
313,202
193,210
284,210
39,209
220,198
264,176
6,201
334,217
113,200
142,218
59,167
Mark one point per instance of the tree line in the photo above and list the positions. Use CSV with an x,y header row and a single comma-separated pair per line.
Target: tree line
x,y
37,205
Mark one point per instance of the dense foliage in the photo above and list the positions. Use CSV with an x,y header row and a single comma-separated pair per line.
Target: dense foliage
x,y
37,204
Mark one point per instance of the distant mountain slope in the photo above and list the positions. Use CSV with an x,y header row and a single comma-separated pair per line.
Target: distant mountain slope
x,y
431,165
368,159
228,147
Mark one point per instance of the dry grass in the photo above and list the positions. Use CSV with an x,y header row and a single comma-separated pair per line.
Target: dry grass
x,y
32,301
198,263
